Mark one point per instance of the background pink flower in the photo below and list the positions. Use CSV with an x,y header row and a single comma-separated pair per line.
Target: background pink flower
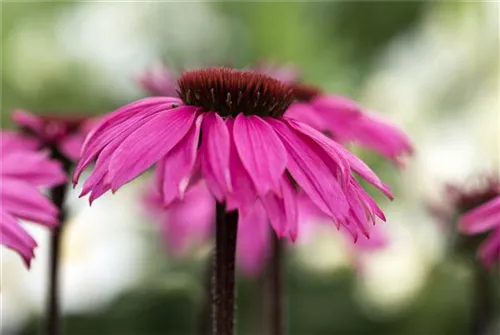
x,y
66,133
482,219
347,122
23,171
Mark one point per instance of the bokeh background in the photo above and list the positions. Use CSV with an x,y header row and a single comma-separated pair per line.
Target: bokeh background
x,y
429,67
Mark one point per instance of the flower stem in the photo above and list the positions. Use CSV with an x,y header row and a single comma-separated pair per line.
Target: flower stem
x,y
223,280
483,301
276,320
58,194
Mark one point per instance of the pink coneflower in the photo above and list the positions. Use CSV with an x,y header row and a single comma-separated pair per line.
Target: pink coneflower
x,y
249,150
23,171
61,132
345,121
480,220
477,207
228,128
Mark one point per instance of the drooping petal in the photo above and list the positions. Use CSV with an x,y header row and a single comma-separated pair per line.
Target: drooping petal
x,y
243,193
214,155
71,146
118,125
13,142
305,113
13,236
356,164
148,144
282,210
33,167
252,249
260,150
28,121
307,166
489,251
25,201
177,165
482,218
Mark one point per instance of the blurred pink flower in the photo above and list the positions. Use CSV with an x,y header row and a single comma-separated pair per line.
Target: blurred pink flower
x,y
66,133
480,220
190,221
345,121
251,156
159,80
23,171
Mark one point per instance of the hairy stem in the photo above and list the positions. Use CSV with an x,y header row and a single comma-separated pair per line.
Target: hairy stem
x,y
223,280
58,194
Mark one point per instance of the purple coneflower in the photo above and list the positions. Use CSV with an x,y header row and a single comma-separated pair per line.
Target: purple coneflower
x,y
23,172
345,121
60,132
230,128
232,122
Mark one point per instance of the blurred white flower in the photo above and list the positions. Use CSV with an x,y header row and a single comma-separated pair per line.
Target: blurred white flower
x,y
104,252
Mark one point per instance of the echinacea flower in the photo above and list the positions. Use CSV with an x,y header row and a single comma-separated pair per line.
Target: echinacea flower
x,y
477,206
64,133
251,156
480,220
347,122
24,170
160,80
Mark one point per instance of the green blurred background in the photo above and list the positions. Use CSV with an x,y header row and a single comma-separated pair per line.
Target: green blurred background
x,y
431,68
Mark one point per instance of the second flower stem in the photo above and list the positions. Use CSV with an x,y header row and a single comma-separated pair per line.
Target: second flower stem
x,y
275,274
58,195
223,280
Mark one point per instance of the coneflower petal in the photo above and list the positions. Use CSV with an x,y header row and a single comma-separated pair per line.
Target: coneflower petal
x,y
148,144
308,168
177,165
13,236
26,202
117,126
214,155
482,218
261,152
489,251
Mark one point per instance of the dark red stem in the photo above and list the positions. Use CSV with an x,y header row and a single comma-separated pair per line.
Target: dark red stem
x,y
223,280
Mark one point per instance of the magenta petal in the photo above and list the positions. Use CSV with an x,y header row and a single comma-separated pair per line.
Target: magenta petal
x,y
243,193
71,146
356,164
13,142
282,211
148,144
26,202
13,236
190,219
28,121
489,251
305,113
33,167
482,218
260,150
118,125
253,240
177,165
309,169
214,155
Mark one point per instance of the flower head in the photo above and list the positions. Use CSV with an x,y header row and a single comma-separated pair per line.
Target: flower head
x,y
24,170
478,209
229,128
346,121
64,133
